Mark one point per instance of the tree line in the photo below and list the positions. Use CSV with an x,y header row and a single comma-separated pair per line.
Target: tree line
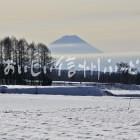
x,y
21,56
19,60
125,74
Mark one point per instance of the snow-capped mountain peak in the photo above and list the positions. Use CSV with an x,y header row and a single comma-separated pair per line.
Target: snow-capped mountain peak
x,y
72,44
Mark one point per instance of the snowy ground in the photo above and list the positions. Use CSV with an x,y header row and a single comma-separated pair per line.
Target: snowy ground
x,y
40,117
125,92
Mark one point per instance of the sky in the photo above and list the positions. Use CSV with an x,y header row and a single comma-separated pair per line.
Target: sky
x,y
109,25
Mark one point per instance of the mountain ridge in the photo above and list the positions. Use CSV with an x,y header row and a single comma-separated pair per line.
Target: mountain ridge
x,y
72,44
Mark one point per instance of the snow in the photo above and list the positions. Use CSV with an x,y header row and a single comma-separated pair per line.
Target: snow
x,y
72,45
53,117
125,92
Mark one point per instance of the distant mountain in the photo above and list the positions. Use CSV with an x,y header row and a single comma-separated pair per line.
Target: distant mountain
x,y
72,45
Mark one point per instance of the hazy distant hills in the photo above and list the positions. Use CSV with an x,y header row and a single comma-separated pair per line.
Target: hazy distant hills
x,y
72,44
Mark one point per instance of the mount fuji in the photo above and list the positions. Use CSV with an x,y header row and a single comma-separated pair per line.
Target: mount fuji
x,y
72,44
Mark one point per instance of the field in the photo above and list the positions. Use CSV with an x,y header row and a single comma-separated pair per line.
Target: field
x,y
51,117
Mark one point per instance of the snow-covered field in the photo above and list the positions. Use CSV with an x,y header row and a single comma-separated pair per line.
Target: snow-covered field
x,y
51,117
125,92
